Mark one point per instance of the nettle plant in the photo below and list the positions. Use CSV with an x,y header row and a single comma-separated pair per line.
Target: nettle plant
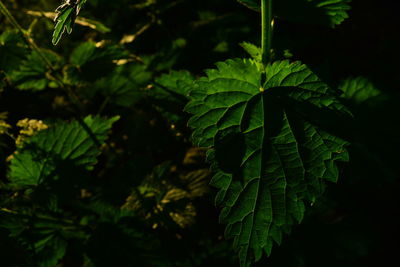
x,y
266,125
263,122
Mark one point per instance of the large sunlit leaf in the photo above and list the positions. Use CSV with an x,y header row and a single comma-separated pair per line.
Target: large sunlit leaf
x,y
63,142
269,146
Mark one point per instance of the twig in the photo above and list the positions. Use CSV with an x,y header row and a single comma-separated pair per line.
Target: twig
x,y
67,89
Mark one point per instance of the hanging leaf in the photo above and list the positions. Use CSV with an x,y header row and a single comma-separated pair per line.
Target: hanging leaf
x,y
269,147
65,19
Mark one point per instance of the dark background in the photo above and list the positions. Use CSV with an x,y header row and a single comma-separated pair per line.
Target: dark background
x,y
356,222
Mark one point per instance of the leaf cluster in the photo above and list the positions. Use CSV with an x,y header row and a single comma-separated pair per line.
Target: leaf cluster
x,y
110,140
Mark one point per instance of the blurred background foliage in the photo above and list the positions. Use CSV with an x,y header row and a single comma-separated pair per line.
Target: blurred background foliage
x,y
143,198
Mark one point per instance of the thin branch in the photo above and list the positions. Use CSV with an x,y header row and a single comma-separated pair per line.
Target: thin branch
x,y
67,89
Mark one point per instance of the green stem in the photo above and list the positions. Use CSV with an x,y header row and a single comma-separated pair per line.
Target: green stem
x,y
67,89
266,30
41,218
24,33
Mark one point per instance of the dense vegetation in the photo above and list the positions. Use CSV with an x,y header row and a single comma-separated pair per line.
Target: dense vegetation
x,y
116,145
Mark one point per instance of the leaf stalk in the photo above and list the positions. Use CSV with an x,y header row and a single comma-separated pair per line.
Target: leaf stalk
x,y
67,89
266,30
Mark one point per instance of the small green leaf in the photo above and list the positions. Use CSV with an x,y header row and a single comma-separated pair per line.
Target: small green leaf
x,y
89,62
252,50
65,19
83,53
268,144
13,50
51,249
173,86
325,12
124,86
170,94
358,90
32,72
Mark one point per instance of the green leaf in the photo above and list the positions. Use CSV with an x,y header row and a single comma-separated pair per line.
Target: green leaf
x,y
170,94
50,250
45,236
89,62
358,90
324,12
32,73
65,19
269,147
88,53
124,86
13,50
83,53
253,50
61,143
173,86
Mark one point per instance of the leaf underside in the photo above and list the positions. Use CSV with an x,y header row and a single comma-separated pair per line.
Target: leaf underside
x,y
269,155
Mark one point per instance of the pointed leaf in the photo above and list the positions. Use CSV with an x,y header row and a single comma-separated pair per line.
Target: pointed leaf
x,y
65,19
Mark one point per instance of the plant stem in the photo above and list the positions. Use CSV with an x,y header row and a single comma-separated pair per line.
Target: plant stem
x,y
24,33
266,30
67,89
31,43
